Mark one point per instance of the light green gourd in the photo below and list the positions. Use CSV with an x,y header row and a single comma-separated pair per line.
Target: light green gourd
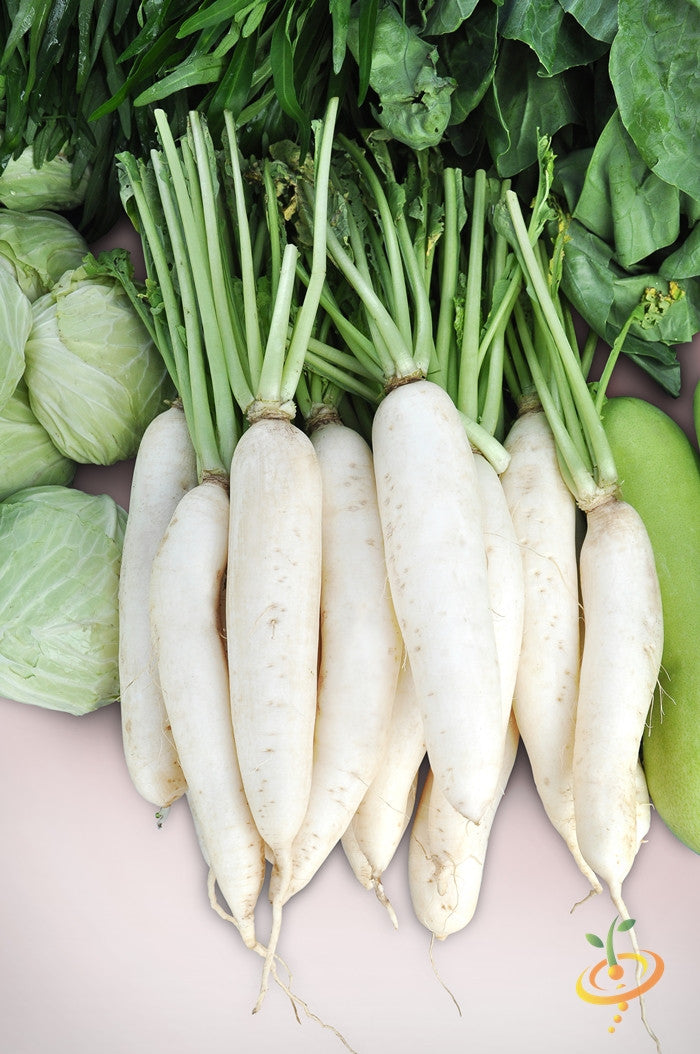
x,y
660,476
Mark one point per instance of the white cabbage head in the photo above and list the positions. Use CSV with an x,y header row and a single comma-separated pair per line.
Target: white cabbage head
x,y
51,186
28,458
60,554
38,247
95,377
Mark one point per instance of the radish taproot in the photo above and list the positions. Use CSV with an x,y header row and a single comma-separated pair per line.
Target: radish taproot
x,y
164,470
186,583
544,513
447,853
375,831
358,631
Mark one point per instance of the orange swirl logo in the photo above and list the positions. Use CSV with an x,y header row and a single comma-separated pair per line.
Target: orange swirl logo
x,y
617,979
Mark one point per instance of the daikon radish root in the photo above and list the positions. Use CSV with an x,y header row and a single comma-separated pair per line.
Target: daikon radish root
x,y
619,669
436,562
272,622
447,853
360,645
164,470
186,583
543,511
506,580
375,831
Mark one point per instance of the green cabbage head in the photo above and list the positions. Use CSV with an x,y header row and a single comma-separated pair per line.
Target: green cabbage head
x,y
60,553
28,458
95,377
15,326
38,247
51,186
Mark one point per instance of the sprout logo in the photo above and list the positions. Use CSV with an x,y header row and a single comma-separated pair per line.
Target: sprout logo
x,y
613,982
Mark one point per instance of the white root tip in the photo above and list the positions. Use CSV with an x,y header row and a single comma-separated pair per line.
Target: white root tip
x,y
384,900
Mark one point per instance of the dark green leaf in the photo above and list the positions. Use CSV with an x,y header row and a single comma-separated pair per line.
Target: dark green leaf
x,y
218,13
366,32
595,941
470,58
623,202
193,72
282,62
598,17
340,17
233,89
557,39
520,106
627,924
605,295
446,16
654,69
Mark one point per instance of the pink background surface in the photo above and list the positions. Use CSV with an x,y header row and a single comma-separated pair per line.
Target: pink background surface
x,y
108,943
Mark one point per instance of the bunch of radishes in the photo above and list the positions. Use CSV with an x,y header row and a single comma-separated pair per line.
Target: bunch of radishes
x,y
307,612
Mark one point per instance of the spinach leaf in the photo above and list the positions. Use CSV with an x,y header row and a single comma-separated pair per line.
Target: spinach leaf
x,y
520,105
654,70
446,16
623,202
470,58
598,17
605,294
414,100
557,39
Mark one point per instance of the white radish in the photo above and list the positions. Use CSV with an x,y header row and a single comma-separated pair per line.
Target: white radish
x,y
361,647
186,583
436,563
447,853
620,664
164,470
375,831
505,579
543,511
272,623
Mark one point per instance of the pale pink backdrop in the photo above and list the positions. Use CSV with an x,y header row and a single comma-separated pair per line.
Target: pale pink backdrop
x,y
108,944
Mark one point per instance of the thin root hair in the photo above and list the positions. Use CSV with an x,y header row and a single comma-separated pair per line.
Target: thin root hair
x,y
616,897
437,974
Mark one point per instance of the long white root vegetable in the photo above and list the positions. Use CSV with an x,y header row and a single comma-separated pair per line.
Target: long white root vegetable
x,y
272,622
164,470
436,561
375,831
619,668
506,580
186,584
361,648
543,511
447,853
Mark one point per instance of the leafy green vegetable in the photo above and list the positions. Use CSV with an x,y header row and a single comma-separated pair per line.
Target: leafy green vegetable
x,y
15,325
38,247
557,39
654,67
59,633
28,458
623,202
94,376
